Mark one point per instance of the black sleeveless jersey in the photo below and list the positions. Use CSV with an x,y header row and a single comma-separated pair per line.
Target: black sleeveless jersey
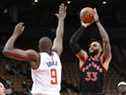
x,y
91,76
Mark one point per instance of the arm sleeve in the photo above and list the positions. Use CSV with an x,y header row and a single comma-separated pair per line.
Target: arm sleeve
x,y
74,40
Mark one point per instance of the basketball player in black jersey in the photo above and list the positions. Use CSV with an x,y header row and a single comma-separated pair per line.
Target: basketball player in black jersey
x,y
94,63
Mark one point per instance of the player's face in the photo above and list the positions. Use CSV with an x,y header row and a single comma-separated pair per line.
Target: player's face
x,y
2,89
95,48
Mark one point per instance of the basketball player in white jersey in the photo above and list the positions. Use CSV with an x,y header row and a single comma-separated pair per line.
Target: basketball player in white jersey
x,y
45,64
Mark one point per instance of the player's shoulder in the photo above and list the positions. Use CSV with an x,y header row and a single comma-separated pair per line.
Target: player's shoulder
x,y
55,53
31,52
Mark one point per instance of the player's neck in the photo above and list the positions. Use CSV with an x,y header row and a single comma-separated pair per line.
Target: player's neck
x,y
47,51
96,57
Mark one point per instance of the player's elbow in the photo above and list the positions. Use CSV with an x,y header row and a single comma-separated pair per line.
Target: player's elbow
x,y
6,51
71,43
74,47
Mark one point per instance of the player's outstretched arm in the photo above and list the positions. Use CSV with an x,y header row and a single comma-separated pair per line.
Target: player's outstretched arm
x,y
58,41
78,51
18,54
107,55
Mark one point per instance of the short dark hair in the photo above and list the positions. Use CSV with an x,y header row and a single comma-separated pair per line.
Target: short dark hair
x,y
45,44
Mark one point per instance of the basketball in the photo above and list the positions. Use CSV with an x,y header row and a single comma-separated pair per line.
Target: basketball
x,y
86,15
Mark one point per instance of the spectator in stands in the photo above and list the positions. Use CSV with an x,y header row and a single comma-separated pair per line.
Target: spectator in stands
x,y
122,88
2,89
94,63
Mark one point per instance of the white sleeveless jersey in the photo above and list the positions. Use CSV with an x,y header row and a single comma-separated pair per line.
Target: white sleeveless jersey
x,y
47,78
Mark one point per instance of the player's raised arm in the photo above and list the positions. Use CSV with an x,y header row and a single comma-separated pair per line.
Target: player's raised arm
x,y
78,51
105,42
18,54
58,41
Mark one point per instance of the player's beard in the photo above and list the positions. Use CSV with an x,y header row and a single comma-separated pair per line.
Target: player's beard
x,y
92,52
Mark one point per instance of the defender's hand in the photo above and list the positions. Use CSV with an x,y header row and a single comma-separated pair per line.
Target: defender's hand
x,y
19,28
62,12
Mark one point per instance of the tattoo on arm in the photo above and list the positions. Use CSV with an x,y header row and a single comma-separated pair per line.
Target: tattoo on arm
x,y
105,39
106,46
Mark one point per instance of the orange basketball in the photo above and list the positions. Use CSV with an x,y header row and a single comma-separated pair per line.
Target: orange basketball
x,y
86,15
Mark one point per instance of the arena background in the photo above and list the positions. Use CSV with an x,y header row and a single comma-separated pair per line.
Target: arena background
x,y
40,21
